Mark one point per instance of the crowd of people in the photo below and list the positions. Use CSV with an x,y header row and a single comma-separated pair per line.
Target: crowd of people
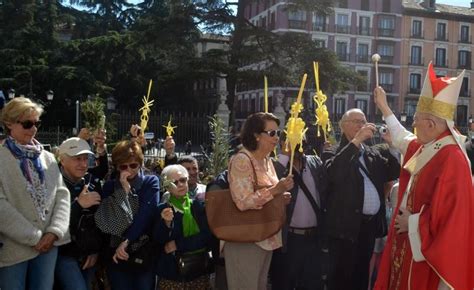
x,y
392,216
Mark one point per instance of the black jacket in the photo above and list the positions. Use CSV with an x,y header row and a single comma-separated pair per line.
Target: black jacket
x,y
345,197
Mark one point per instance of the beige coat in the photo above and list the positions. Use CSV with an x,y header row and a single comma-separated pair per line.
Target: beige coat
x,y
20,227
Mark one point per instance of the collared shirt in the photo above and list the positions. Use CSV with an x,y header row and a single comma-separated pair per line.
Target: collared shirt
x,y
198,193
303,214
371,196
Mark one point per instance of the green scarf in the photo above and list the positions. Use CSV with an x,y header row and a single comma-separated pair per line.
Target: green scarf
x,y
190,226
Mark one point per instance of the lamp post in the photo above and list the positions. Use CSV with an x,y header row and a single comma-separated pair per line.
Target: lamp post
x,y
403,117
49,95
11,94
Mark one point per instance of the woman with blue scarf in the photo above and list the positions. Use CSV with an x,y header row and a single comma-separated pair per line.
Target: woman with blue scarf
x,y
34,202
183,235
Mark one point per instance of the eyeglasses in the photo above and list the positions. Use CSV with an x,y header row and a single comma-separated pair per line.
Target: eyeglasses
x,y
272,133
183,180
28,124
126,166
357,122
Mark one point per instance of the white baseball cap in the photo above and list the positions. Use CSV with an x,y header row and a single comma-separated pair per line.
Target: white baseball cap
x,y
74,146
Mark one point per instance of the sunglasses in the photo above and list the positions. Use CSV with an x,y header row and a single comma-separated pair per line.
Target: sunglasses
x,y
183,180
126,166
28,124
272,133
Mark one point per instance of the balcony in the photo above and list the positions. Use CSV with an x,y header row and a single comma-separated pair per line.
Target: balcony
x,y
343,56
414,91
419,35
465,39
387,87
386,32
364,30
363,58
320,27
465,93
346,29
441,37
297,24
386,59
441,63
464,65
416,61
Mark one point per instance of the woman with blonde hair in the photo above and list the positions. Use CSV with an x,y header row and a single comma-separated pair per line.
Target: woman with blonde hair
x,y
34,202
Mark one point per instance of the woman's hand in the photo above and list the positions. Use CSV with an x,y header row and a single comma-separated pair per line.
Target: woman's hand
x,y
90,261
170,247
285,184
120,252
124,174
167,215
46,242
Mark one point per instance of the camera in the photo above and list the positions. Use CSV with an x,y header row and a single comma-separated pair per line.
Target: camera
x,y
382,129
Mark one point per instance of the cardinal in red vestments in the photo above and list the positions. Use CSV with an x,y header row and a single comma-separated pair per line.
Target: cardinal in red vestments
x,y
430,245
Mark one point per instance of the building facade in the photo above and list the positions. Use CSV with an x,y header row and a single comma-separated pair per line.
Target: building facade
x,y
407,35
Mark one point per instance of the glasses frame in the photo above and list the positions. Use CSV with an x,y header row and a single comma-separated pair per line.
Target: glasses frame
x,y
183,180
28,124
272,133
126,166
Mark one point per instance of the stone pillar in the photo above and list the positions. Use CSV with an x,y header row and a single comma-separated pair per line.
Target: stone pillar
x,y
223,111
278,111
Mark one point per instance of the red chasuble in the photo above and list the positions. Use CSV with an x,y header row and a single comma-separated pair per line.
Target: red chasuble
x,y
446,226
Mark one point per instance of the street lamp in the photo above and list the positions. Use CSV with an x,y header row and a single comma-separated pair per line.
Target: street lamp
x,y
50,95
111,103
403,117
11,94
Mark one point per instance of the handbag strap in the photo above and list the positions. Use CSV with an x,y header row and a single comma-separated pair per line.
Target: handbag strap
x,y
309,196
255,185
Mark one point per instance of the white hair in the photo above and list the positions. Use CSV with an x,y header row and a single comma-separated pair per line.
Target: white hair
x,y
174,168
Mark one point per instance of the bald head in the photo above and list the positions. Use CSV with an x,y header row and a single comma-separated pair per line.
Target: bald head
x,y
351,122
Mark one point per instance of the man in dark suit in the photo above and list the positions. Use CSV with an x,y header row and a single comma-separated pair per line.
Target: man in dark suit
x,y
297,265
355,208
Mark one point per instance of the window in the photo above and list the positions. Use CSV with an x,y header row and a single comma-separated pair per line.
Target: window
x,y
362,105
441,31
461,118
297,19
415,83
386,81
410,107
319,23
464,38
321,43
386,26
339,107
416,29
364,5
341,3
341,51
415,58
386,52
342,23
465,87
364,25
363,87
363,53
440,58
464,59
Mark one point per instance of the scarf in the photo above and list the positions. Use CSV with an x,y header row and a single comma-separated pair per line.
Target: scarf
x,y
32,170
25,153
183,204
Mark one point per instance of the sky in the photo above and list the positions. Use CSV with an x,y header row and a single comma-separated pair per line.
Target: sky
x,y
465,3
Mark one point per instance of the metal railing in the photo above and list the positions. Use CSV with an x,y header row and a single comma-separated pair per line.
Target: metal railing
x,y
386,32
297,24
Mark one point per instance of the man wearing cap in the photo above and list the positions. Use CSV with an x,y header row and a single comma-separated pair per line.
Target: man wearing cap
x,y
431,241
74,268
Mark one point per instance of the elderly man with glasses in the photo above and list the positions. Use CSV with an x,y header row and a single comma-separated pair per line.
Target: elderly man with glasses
x,y
355,208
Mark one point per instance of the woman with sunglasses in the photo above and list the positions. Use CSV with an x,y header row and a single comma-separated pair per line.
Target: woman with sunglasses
x,y
182,231
247,264
34,202
126,214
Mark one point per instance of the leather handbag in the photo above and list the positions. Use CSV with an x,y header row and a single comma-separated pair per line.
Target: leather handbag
x,y
88,238
228,223
193,265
